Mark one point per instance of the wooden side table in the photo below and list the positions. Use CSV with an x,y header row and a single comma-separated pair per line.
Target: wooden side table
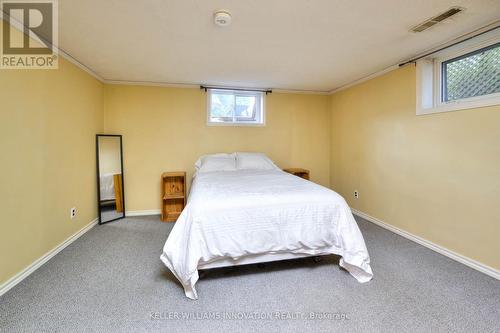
x,y
173,194
299,172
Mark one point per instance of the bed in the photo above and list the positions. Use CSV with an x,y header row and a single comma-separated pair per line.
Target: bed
x,y
111,190
249,211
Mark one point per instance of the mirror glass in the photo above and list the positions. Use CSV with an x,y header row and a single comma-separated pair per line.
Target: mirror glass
x,y
111,202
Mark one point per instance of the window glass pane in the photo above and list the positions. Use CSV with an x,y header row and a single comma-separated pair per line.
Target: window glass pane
x,y
475,74
238,107
245,108
222,106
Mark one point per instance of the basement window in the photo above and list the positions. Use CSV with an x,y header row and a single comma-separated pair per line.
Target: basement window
x,y
473,74
235,107
463,77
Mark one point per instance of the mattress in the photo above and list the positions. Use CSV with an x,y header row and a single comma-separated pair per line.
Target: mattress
x,y
233,215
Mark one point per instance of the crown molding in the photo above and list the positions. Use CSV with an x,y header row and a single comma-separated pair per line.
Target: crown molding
x,y
81,65
20,27
197,86
299,91
491,26
152,84
363,79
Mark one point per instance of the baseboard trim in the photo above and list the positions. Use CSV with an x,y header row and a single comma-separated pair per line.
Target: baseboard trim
x,y
490,271
12,282
143,212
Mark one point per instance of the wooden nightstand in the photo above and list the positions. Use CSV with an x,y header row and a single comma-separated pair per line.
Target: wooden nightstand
x,y
302,173
173,194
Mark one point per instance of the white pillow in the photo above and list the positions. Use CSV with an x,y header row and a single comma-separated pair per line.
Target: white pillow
x,y
216,162
256,161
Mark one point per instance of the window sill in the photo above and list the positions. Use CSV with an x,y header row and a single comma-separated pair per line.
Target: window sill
x,y
459,105
236,124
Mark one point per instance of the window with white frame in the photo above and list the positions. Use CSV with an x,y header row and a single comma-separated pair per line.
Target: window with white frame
x,y
235,107
463,77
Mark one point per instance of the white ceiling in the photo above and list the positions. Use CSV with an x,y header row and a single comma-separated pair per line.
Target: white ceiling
x,y
315,45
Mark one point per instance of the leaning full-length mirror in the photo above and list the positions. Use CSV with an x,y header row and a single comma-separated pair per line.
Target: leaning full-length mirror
x,y
110,193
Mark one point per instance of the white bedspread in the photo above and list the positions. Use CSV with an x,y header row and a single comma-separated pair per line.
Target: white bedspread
x,y
107,187
232,214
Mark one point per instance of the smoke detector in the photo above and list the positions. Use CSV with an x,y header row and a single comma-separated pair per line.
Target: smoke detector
x,y
222,18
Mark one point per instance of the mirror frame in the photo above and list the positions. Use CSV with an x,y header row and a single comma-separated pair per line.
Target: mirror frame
x,y
99,211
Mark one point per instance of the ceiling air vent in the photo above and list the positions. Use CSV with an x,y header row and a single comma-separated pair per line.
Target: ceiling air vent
x,y
436,19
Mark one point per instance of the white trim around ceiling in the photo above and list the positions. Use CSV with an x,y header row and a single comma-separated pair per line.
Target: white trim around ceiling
x,y
94,74
335,90
152,84
19,26
492,25
197,86
80,65
364,79
298,91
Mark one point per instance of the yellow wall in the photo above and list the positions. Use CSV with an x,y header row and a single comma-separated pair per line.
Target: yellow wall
x,y
164,129
48,122
435,176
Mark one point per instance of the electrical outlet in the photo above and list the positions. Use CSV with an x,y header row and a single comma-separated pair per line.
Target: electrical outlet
x,y
356,194
72,212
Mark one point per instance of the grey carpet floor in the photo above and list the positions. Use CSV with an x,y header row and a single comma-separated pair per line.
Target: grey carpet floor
x,y
112,280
